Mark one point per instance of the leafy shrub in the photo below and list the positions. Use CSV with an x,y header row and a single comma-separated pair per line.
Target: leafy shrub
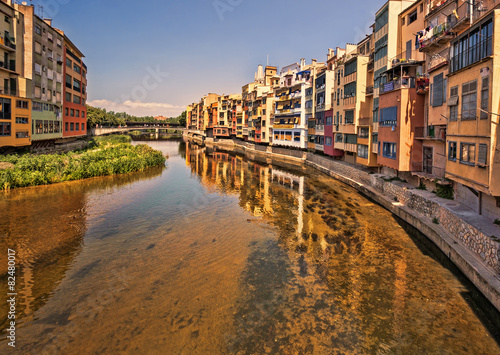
x,y
109,155
444,191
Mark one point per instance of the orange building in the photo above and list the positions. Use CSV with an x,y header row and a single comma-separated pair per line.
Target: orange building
x,y
75,94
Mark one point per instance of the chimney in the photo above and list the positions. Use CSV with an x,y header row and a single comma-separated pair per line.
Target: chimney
x,y
314,61
302,63
48,21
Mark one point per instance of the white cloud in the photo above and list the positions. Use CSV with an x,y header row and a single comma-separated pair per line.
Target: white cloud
x,y
138,108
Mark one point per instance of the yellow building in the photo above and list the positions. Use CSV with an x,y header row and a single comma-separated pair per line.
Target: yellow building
x,y
15,108
473,158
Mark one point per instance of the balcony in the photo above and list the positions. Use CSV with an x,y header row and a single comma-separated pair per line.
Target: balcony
x,y
422,84
400,83
445,31
369,90
437,133
375,148
9,66
427,171
351,147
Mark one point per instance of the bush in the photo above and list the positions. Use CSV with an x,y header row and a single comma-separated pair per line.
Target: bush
x,y
444,191
109,155
435,220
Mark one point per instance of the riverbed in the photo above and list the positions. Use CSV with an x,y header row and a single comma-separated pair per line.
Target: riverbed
x,y
217,254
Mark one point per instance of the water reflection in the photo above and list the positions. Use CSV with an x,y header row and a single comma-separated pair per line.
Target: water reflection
x,y
46,226
219,254
351,280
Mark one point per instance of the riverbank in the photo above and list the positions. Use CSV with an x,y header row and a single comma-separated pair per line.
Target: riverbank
x,y
470,241
104,156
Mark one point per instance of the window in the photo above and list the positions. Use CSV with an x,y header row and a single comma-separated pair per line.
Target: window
x,y
5,129
438,90
421,7
38,47
78,113
469,100
363,151
329,120
472,46
350,90
45,127
403,20
485,98
296,136
389,116
339,138
37,106
24,134
389,150
328,141
76,85
467,153
22,120
482,155
76,99
363,132
5,109
66,111
38,30
68,81
412,17
66,126
375,138
351,67
452,151
349,117
68,97
350,139
69,63
22,104
72,113
57,127
71,126
453,103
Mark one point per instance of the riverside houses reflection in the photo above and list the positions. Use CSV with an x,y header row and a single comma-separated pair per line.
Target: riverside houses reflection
x,y
349,274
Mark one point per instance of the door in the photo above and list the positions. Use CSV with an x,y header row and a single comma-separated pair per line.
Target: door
x,y
408,50
428,158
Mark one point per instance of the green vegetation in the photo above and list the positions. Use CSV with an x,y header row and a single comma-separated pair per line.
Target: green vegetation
x,y
102,117
444,191
394,178
105,156
422,186
497,221
435,220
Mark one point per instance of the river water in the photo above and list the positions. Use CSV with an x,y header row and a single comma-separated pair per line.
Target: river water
x,y
218,254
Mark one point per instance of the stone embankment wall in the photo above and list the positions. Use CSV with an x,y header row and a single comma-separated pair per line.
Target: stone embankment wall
x,y
487,248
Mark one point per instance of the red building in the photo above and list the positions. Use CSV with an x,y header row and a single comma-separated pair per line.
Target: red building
x,y
75,94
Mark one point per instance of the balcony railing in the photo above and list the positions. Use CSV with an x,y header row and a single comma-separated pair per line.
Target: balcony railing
x,y
431,132
428,170
369,90
400,83
444,31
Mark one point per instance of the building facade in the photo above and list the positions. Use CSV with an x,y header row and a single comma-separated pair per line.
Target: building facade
x,y
75,91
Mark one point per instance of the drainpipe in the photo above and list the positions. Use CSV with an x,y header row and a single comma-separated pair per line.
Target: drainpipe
x,y
471,9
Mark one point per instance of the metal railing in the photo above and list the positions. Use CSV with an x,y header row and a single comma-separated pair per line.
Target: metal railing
x,y
402,83
434,171
472,55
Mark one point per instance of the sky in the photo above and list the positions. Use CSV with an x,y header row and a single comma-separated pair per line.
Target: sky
x,y
154,57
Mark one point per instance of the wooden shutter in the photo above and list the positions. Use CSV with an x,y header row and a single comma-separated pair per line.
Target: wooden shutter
x,y
437,95
482,154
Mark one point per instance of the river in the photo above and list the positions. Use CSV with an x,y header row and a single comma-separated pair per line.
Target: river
x,y
218,254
